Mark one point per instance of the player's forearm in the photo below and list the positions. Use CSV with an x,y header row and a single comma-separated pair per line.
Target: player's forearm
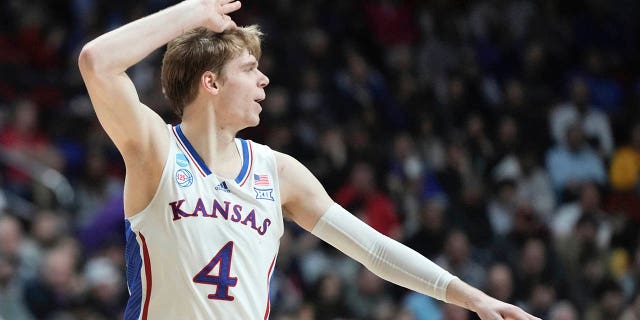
x,y
385,257
116,51
464,295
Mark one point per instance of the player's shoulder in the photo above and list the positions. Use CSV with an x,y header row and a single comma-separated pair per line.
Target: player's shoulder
x,y
288,165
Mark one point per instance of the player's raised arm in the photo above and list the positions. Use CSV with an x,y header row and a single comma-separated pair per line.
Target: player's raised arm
x,y
136,130
307,203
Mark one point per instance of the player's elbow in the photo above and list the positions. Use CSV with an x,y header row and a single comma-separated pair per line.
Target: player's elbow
x,y
92,60
87,59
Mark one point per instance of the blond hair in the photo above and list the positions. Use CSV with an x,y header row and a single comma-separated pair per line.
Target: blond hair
x,y
197,51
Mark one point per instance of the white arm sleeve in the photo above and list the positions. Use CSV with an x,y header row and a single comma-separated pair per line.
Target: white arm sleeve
x,y
382,255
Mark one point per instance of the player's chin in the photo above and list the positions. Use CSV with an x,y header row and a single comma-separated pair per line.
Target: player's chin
x,y
255,118
254,122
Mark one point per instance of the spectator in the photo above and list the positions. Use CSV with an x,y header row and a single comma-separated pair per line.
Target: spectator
x,y
569,214
593,122
632,312
331,163
24,137
584,286
500,282
526,226
625,165
58,288
369,296
409,181
16,247
457,257
481,149
502,208
361,196
534,186
609,304
573,164
518,105
507,138
563,310
364,89
105,291
534,272
330,298
430,144
580,242
624,175
541,299
429,239
605,89
391,22
11,290
47,229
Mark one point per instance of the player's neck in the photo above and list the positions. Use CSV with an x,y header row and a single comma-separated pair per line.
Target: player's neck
x,y
214,144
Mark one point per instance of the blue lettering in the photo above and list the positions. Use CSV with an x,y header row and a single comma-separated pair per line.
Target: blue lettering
x,y
177,212
237,216
200,208
265,224
223,212
236,213
251,217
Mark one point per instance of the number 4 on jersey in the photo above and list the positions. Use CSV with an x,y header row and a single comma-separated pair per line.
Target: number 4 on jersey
x,y
222,281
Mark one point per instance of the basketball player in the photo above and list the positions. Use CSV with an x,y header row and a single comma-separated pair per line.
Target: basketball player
x,y
204,209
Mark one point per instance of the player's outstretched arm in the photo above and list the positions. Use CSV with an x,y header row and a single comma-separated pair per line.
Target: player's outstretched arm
x,y
307,203
103,62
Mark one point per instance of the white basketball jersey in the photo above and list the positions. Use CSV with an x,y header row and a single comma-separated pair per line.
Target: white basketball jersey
x,y
205,247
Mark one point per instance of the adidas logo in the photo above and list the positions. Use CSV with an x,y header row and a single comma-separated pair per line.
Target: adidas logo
x,y
222,187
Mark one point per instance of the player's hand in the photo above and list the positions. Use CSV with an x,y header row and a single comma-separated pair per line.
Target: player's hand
x,y
494,309
218,18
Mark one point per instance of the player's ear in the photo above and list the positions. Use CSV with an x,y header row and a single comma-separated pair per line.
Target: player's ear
x,y
210,82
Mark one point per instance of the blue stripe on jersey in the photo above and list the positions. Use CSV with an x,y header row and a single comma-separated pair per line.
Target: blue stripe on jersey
x,y
192,151
245,161
134,274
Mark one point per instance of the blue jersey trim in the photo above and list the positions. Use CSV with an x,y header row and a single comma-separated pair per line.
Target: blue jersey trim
x,y
245,161
192,151
134,275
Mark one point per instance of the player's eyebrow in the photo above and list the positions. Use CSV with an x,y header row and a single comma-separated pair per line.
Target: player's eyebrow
x,y
252,63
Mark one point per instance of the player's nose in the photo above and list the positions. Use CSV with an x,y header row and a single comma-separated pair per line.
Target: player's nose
x,y
263,81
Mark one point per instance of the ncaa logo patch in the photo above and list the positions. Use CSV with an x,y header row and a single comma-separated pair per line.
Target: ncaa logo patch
x,y
182,160
264,194
184,178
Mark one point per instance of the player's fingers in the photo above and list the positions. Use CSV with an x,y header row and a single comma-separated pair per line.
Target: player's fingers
x,y
495,316
230,25
231,7
490,315
221,2
519,314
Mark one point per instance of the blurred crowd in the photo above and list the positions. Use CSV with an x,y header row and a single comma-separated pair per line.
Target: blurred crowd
x,y
499,138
